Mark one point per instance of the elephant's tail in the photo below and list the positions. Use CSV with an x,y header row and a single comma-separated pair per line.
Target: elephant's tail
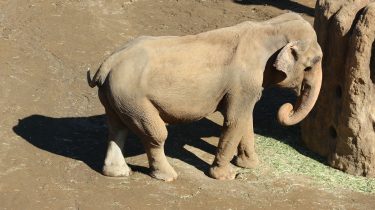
x,y
100,75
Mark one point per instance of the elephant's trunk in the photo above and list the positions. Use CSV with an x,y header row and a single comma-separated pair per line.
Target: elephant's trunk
x,y
289,115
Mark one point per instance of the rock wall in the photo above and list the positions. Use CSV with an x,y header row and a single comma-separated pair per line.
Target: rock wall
x,y
342,123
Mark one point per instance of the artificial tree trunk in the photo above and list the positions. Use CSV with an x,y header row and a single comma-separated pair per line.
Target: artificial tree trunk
x,y
342,123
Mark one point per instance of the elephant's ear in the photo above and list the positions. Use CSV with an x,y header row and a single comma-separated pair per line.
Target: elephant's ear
x,y
289,55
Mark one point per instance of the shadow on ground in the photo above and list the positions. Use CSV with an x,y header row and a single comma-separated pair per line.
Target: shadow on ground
x,y
265,123
84,138
281,4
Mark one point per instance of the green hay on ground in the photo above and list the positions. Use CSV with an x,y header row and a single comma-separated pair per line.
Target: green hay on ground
x,y
293,159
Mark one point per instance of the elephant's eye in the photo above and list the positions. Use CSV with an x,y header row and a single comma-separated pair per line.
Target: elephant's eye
x,y
308,68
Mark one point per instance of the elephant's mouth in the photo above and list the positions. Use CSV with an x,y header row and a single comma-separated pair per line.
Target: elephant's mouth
x,y
307,94
298,90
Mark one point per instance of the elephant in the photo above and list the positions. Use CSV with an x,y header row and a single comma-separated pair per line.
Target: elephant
x,y
154,81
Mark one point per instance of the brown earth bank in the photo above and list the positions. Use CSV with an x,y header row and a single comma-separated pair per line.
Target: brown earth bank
x,y
53,130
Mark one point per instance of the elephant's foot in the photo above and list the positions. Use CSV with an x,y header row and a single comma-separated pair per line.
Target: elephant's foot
x,y
222,172
245,161
116,170
164,172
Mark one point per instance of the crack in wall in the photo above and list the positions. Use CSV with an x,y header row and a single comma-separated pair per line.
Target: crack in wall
x,y
372,63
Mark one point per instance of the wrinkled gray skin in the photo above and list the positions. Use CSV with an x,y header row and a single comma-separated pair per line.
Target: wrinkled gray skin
x,y
157,80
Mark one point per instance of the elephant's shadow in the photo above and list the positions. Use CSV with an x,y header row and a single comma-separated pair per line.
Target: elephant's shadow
x,y
84,138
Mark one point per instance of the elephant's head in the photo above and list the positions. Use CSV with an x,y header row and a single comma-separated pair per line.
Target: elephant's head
x,y
299,68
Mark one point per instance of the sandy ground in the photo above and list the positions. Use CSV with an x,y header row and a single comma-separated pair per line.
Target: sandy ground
x,y
52,128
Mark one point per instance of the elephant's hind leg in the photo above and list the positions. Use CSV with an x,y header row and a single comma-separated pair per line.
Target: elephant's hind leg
x,y
153,133
114,163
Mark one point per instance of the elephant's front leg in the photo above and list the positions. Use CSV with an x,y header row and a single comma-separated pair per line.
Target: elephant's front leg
x,y
246,155
232,134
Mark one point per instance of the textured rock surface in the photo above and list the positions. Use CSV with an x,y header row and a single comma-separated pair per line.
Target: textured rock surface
x,y
342,124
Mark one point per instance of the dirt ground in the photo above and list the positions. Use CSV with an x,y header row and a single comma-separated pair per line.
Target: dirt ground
x,y
52,126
